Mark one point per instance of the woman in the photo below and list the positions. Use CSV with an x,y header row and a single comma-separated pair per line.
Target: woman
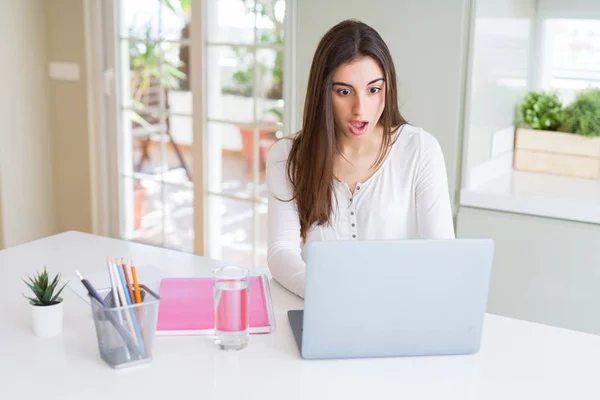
x,y
356,170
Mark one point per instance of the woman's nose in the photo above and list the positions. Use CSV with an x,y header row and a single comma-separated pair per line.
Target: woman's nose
x,y
357,104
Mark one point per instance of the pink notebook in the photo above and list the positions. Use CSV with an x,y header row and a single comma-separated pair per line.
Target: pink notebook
x,y
186,306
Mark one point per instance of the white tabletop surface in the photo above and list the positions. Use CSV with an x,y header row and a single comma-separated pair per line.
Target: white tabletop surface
x,y
518,359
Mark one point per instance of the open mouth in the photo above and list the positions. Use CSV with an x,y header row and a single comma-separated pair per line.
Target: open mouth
x,y
358,127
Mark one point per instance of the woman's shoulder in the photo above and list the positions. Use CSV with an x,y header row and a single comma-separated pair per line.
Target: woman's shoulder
x,y
417,140
280,151
416,134
277,174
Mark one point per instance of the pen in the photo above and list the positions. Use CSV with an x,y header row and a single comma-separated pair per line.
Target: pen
x,y
90,288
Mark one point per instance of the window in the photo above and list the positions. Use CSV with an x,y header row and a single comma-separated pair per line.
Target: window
x,y
570,56
244,96
153,121
518,46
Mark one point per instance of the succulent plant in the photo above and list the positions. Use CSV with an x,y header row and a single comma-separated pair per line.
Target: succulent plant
x,y
44,290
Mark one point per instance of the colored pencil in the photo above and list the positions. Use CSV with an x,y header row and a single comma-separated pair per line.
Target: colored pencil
x,y
123,298
140,311
115,292
136,286
131,314
127,281
113,283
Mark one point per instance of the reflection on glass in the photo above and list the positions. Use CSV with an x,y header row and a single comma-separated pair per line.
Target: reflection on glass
x,y
261,250
153,66
146,203
270,85
572,48
232,21
145,141
229,88
175,61
155,19
178,157
230,233
142,210
156,77
142,61
173,158
229,160
179,218
270,16
150,66
139,18
576,44
175,19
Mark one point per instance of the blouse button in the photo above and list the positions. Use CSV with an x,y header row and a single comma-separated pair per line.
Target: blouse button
x,y
353,225
352,213
358,188
353,236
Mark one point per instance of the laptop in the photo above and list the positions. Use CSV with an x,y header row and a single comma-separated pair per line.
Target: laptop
x,y
392,298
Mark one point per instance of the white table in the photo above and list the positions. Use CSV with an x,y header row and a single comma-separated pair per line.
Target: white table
x,y
518,360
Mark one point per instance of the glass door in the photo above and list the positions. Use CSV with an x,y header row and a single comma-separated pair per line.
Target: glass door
x,y
198,101
244,109
151,112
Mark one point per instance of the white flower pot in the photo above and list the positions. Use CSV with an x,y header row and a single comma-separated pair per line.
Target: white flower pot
x,y
48,320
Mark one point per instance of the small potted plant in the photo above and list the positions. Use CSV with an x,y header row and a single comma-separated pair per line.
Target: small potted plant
x,y
46,305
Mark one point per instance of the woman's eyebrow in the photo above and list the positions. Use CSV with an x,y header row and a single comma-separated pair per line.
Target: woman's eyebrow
x,y
350,86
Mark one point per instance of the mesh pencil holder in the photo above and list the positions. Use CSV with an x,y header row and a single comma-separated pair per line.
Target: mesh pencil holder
x,y
126,334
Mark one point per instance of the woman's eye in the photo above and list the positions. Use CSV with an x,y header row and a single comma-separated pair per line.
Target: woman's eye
x,y
374,90
344,92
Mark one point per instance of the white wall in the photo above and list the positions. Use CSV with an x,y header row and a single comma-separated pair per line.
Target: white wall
x,y
428,40
65,42
26,173
586,9
545,270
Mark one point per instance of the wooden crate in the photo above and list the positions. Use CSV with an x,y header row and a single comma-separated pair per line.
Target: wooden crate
x,y
557,153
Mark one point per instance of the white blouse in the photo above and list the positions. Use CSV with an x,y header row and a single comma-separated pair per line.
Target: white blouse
x,y
406,198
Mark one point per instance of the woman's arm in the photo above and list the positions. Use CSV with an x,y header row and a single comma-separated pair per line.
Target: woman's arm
x,y
434,213
284,254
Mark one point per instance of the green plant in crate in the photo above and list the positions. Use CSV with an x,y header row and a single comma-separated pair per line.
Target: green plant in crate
x,y
541,110
582,116
44,290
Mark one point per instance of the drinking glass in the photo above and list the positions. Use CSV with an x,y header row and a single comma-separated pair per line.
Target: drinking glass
x,y
231,291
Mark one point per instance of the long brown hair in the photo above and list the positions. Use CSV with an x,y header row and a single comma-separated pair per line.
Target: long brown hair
x,y
311,159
